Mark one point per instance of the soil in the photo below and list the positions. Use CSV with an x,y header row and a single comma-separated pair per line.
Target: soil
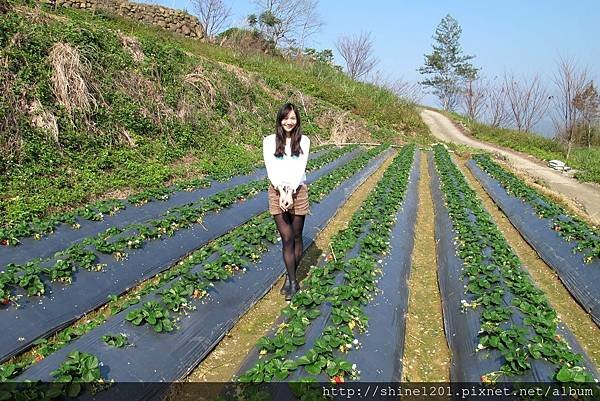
x,y
227,357
426,354
585,195
569,311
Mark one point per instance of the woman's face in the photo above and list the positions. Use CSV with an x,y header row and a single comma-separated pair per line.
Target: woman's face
x,y
289,122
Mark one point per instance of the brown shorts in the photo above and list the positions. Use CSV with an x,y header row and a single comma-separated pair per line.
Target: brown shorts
x,y
300,206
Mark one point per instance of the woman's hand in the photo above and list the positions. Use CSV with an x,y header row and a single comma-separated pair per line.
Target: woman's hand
x,y
285,198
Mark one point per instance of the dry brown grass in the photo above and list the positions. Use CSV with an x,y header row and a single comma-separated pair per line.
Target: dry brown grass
x,y
250,80
37,15
43,119
343,128
11,141
145,93
200,80
246,43
70,76
132,45
5,7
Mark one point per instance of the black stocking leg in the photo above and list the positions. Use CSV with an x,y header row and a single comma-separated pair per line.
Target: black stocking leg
x,y
297,227
284,226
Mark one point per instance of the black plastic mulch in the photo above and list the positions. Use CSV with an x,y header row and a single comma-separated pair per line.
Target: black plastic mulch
x,y
582,280
171,356
41,316
461,329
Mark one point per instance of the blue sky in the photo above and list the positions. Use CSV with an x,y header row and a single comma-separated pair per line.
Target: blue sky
x,y
523,37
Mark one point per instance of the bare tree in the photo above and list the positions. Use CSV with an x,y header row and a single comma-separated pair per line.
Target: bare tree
x,y
357,52
570,81
587,102
410,91
496,105
473,98
527,101
288,21
213,14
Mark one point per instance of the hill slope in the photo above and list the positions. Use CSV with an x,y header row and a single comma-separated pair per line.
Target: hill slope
x,y
89,112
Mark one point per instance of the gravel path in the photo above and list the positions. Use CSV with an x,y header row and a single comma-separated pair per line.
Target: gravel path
x,y
587,196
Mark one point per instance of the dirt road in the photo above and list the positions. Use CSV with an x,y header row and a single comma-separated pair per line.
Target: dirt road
x,y
587,196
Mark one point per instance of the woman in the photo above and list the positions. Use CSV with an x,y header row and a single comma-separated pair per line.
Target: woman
x,y
286,153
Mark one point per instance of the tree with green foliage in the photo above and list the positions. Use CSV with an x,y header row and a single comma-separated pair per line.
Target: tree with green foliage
x,y
446,67
324,56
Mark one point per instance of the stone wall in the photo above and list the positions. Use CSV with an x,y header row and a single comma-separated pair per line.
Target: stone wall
x,y
167,18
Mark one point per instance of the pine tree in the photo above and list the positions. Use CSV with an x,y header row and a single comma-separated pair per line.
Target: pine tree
x,y
447,68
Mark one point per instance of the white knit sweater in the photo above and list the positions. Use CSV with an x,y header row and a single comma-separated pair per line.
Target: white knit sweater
x,y
287,170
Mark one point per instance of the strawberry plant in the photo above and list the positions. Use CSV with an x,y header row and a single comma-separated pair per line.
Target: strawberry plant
x,y
11,370
30,279
61,271
116,340
153,314
79,368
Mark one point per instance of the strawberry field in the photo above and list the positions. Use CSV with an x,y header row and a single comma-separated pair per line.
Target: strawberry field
x,y
566,242
99,294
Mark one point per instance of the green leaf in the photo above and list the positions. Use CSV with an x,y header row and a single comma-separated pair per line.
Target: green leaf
x,y
313,369
73,390
564,374
303,360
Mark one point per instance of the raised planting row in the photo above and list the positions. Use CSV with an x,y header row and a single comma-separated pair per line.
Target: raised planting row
x,y
79,371
119,240
63,303
324,320
565,242
82,218
498,323
201,321
217,261
568,226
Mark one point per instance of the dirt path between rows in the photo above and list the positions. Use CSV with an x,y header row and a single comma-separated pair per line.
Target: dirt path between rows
x,y
586,196
426,353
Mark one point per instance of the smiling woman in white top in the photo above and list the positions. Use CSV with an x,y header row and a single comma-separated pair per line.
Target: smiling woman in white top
x,y
286,153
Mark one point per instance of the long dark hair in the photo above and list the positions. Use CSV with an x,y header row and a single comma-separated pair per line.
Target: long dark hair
x,y
280,132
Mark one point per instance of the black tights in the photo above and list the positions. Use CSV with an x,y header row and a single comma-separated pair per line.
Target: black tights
x,y
290,228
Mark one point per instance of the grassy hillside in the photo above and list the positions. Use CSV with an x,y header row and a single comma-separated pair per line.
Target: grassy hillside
x,y
98,107
587,161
